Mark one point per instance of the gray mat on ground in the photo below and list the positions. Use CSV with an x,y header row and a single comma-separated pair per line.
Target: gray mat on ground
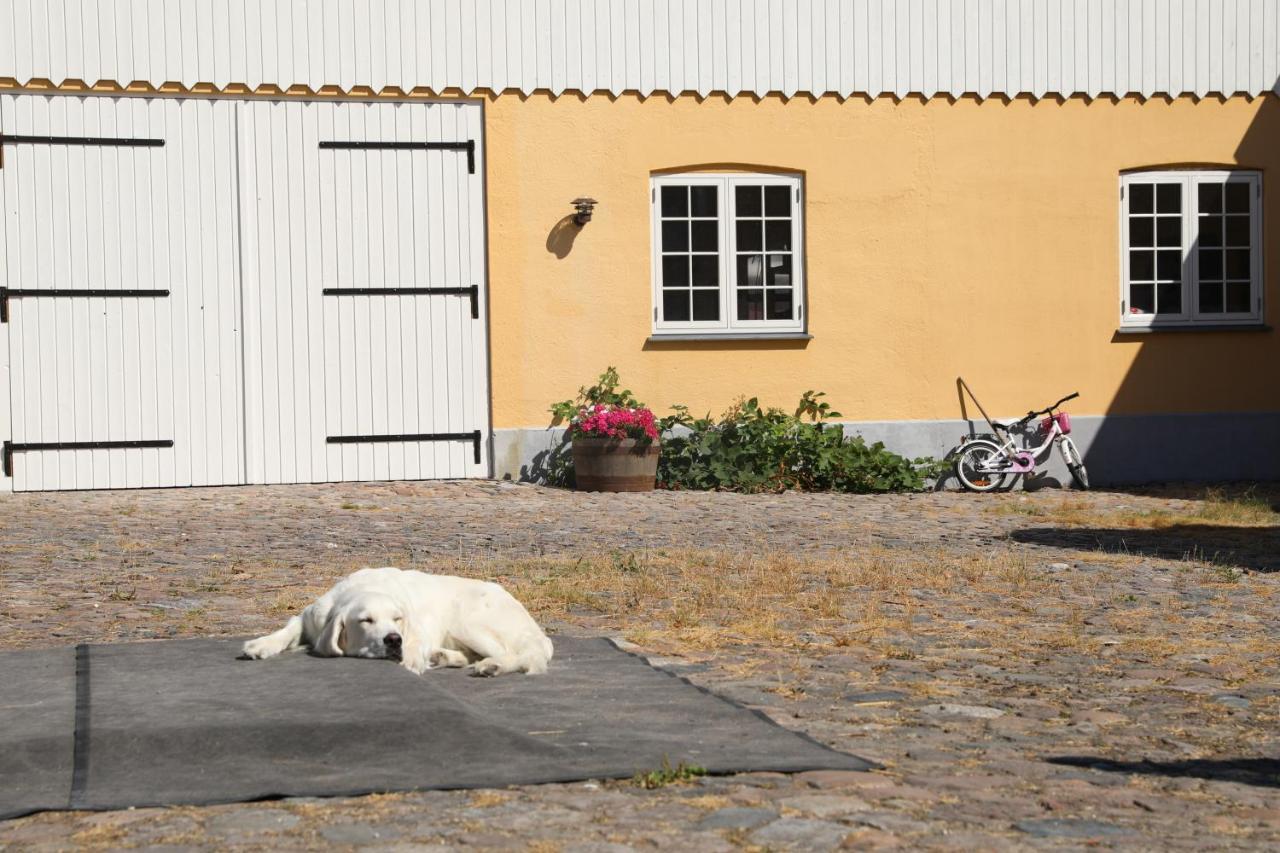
x,y
185,722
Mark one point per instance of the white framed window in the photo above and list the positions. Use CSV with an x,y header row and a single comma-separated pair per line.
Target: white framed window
x,y
1191,244
727,253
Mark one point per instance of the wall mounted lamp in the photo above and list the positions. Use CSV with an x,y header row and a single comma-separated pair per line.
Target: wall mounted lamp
x,y
584,208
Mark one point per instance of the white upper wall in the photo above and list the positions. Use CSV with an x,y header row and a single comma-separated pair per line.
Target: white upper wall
x,y
756,47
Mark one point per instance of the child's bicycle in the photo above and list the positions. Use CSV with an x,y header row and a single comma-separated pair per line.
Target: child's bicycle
x,y
983,462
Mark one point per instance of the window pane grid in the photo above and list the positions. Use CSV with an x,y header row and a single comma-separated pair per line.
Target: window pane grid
x,y
724,254
1191,246
1155,248
763,229
690,252
1224,248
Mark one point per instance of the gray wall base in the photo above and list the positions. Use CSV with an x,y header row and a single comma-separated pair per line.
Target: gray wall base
x,y
1118,449
526,454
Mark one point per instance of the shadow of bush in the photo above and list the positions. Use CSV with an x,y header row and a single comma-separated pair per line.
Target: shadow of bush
x,y
551,467
1254,548
1263,772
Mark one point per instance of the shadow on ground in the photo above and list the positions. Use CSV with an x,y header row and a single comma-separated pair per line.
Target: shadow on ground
x,y
1241,490
1264,772
1254,548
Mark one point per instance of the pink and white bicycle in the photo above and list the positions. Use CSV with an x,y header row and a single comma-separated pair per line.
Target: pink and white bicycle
x,y
984,463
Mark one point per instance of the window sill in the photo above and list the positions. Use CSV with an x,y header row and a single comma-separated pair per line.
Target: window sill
x,y
662,337
1199,327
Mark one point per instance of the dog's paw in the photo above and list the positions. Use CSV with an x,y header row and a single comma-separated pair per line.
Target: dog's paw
x,y
263,647
486,668
417,663
448,658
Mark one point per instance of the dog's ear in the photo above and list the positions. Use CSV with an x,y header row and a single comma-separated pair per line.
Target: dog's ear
x,y
329,643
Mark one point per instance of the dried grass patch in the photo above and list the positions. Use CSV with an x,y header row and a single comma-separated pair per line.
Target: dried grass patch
x,y
890,604
710,599
100,836
1212,506
484,799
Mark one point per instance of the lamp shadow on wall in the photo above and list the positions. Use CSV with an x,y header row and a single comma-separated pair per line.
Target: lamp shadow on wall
x,y
560,239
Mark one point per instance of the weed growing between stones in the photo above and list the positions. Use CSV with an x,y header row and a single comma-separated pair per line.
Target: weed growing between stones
x,y
668,775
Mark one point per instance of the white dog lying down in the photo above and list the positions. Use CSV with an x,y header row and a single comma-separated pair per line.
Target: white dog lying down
x,y
424,621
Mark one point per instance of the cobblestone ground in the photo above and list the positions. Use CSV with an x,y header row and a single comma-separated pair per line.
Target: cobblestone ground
x,y
1111,679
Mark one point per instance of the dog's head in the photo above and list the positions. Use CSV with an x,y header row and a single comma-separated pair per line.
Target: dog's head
x,y
369,625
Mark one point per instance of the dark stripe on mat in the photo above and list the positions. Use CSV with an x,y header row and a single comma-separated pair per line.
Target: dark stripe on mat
x,y
80,756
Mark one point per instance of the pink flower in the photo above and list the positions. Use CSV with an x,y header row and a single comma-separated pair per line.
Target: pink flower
x,y
615,422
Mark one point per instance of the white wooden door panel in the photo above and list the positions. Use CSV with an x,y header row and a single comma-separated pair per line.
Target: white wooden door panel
x,y
357,367
132,200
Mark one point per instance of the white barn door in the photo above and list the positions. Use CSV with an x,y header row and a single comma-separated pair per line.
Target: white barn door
x,y
204,292
363,227
118,293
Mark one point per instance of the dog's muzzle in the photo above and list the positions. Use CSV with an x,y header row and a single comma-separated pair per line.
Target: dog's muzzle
x,y
394,645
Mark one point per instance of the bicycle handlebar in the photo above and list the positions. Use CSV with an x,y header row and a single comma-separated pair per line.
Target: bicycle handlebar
x,y
1063,400
1031,415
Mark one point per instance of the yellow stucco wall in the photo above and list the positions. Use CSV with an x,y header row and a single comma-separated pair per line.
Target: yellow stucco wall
x,y
942,238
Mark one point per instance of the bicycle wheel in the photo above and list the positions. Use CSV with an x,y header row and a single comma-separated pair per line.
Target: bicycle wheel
x,y
973,464
1075,464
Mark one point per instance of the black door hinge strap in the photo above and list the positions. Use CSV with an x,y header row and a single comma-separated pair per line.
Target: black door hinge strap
x,y
11,447
7,293
473,291
102,141
469,146
473,437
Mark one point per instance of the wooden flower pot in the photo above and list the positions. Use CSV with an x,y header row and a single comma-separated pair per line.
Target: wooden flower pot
x,y
614,464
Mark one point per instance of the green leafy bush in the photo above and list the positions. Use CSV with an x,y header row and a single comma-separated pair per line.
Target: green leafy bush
x,y
750,449
603,411
604,393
